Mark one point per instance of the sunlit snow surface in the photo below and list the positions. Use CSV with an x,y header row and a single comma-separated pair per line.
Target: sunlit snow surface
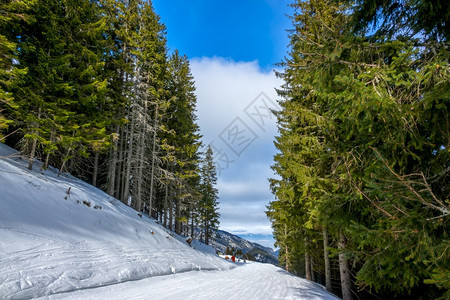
x,y
52,245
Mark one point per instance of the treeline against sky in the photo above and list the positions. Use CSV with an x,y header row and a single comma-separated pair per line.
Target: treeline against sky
x,y
88,86
362,198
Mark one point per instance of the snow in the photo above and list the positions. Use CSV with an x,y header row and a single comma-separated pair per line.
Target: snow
x,y
246,281
82,244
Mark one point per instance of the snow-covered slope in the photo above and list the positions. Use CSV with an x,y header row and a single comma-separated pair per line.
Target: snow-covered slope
x,y
251,281
59,234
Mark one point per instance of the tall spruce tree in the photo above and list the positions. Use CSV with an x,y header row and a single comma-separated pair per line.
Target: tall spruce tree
x,y
208,206
13,13
181,133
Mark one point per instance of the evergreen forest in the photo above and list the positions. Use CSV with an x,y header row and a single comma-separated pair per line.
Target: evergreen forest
x,y
90,88
362,187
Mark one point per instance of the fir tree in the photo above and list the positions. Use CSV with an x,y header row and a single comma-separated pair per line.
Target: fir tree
x,y
13,13
208,207
182,137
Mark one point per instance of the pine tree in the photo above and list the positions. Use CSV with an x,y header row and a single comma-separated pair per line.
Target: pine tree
x,y
182,138
208,209
12,14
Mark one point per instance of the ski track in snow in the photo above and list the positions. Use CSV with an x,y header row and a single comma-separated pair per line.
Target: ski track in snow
x,y
45,267
55,247
247,281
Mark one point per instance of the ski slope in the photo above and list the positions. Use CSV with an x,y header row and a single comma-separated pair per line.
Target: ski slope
x,y
246,281
61,238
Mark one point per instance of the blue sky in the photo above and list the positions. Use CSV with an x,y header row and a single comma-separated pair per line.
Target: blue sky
x,y
233,47
241,30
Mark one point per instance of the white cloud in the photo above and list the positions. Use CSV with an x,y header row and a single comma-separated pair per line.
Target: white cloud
x,y
226,90
252,186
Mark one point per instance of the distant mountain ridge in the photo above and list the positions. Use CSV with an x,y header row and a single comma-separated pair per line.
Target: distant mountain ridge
x,y
262,254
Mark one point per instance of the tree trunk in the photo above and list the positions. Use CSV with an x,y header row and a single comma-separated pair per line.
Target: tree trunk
x,y
327,260
170,209
112,166
47,156
33,146
46,161
344,269
206,233
140,169
64,161
32,154
95,171
127,146
287,261
137,177
178,216
141,155
166,196
126,189
153,161
192,222
287,258
307,261
307,266
122,165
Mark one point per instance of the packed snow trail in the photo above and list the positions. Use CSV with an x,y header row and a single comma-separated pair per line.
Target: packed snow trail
x,y
247,281
63,238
